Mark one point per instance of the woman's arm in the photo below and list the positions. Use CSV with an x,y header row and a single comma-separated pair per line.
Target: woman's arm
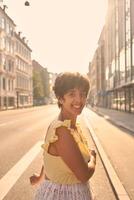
x,y
37,178
92,163
68,149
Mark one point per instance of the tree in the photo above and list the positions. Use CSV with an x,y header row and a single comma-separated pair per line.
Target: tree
x,y
38,90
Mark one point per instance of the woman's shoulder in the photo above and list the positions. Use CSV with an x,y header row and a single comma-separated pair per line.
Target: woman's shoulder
x,y
58,123
51,135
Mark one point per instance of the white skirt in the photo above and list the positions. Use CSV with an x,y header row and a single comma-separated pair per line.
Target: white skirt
x,y
49,190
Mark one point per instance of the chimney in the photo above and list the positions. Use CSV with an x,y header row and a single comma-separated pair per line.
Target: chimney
x,y
4,7
19,33
24,39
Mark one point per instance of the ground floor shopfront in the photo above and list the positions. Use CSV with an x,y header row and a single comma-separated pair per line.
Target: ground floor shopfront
x,y
120,99
17,101
7,102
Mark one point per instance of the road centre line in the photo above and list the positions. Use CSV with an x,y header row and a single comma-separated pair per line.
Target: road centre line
x,y
10,122
11,177
5,124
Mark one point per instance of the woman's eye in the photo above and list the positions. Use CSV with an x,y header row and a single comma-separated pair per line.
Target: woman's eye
x,y
71,94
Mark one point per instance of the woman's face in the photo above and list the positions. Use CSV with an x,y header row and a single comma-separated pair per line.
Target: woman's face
x,y
73,102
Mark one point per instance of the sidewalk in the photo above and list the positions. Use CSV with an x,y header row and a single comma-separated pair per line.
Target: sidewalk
x,y
100,183
119,118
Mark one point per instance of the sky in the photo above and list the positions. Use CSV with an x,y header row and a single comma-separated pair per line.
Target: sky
x,y
63,34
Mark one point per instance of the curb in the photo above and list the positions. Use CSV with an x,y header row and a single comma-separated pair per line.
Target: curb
x,y
115,182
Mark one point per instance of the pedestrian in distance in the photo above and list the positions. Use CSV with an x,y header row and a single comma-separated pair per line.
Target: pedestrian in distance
x,y
68,161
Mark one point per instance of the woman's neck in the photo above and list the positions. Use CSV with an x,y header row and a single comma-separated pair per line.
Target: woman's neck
x,y
63,116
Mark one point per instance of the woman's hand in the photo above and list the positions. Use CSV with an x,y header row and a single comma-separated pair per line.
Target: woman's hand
x,y
35,179
93,155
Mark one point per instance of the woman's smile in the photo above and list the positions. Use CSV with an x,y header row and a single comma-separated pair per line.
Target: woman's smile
x,y
77,107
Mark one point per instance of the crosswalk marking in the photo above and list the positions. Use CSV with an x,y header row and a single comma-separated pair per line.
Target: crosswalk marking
x,y
10,178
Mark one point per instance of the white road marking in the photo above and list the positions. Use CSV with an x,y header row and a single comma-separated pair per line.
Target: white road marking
x,y
11,122
3,124
106,117
7,181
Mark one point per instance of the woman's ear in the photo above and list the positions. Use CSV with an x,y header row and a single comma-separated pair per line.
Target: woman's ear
x,y
60,100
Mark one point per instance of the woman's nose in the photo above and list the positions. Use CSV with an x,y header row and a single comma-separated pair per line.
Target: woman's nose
x,y
78,97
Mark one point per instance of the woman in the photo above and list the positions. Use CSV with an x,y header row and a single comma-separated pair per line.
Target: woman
x,y
68,163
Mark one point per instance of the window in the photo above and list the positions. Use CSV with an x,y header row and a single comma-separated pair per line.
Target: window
x,y
3,43
4,83
9,88
10,101
3,23
8,28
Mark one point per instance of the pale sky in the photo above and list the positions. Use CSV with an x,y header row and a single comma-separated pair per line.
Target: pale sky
x,y
62,34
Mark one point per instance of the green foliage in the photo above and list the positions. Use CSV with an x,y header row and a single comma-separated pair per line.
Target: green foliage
x,y
37,85
45,83
40,84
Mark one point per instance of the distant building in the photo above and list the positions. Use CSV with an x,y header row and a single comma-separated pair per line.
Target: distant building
x,y
52,77
92,74
24,72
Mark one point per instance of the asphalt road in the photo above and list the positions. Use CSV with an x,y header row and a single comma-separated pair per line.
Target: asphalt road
x,y
21,133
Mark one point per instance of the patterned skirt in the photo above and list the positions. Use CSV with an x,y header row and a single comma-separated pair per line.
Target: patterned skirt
x,y
54,191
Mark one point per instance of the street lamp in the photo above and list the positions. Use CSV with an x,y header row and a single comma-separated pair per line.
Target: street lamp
x,y
27,3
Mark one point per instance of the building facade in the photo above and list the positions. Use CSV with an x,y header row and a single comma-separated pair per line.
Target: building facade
x,y
15,66
7,61
24,72
92,74
118,57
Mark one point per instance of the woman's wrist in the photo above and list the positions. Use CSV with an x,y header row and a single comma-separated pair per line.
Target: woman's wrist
x,y
93,160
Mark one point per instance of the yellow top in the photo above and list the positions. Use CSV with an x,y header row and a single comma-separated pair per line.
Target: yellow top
x,y
55,168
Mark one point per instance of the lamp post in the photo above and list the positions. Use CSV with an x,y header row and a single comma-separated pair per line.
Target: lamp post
x,y
27,3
